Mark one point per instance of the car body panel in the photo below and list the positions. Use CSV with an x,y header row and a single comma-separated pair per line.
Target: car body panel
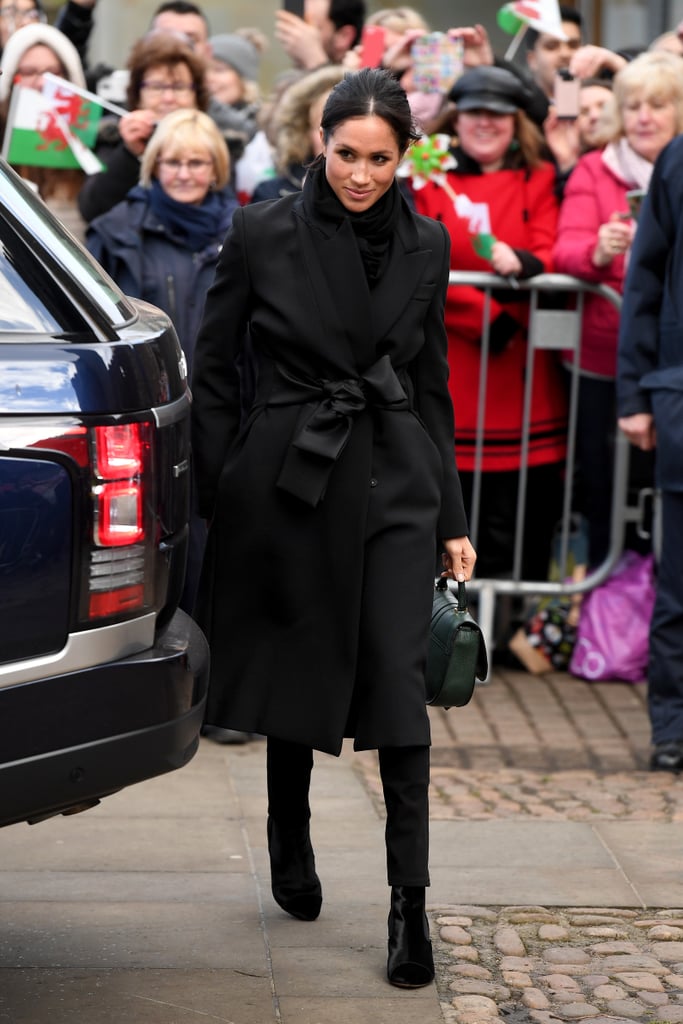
x,y
102,679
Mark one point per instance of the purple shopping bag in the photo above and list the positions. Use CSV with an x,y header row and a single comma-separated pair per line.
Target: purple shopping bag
x,y
614,626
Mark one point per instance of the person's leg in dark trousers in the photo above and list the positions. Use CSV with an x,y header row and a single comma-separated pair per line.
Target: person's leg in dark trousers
x,y
295,884
665,670
288,768
405,782
595,430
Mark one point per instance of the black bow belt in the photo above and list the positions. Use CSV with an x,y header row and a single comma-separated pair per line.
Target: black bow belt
x,y
326,422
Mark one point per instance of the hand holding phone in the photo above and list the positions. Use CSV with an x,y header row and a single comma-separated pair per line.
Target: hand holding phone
x,y
566,95
437,62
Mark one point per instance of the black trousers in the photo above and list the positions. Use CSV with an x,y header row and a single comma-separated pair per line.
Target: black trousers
x,y
405,782
665,670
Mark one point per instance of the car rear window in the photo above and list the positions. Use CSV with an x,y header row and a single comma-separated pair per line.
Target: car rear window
x,y
46,276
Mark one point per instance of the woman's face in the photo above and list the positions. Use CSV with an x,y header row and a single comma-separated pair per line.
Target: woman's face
x,y
15,14
223,82
166,88
35,62
361,157
486,136
592,100
186,175
649,124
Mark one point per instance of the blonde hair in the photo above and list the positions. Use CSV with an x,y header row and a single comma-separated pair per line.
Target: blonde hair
x,y
398,19
178,132
653,75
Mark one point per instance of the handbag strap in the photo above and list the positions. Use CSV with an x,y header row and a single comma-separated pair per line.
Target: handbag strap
x,y
442,584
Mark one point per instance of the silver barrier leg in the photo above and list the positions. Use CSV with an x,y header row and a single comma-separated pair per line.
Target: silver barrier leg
x,y
486,611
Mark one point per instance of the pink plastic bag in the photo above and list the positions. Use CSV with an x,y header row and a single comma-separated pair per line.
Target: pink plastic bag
x,y
614,627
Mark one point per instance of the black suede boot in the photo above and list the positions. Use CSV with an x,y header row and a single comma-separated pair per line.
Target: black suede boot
x,y
410,963
295,885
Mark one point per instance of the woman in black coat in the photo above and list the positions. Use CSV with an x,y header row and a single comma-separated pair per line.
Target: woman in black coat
x,y
328,499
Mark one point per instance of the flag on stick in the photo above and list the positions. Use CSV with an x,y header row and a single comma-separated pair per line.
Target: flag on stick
x,y
56,127
543,15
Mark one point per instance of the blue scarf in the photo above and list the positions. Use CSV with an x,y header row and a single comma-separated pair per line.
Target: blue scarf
x,y
195,227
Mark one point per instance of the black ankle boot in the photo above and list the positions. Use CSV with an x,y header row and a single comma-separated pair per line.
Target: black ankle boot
x,y
295,885
410,963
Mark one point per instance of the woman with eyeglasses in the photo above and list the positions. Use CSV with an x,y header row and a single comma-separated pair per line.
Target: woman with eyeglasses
x,y
15,14
30,52
162,242
165,75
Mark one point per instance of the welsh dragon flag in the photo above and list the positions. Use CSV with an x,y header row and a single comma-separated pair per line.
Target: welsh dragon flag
x,y
53,128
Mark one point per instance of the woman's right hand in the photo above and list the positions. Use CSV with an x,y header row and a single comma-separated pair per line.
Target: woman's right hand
x,y
136,128
477,45
458,558
640,430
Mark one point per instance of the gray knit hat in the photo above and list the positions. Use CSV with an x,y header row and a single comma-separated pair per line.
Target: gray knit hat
x,y
238,52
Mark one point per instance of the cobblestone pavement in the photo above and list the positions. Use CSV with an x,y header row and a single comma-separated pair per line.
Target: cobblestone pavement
x,y
524,964
551,748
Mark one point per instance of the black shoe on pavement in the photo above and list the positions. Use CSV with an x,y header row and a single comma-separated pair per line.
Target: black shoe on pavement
x,y
294,882
667,757
220,735
410,963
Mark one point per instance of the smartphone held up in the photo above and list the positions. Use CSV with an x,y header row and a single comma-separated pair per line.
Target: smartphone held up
x,y
566,95
294,7
437,62
372,45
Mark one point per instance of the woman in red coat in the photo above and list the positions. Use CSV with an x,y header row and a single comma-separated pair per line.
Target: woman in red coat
x,y
594,237
499,207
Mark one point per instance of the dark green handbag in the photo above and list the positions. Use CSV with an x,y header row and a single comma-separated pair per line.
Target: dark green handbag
x,y
457,652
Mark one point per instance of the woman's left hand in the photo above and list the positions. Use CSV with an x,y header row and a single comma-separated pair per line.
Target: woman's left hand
x,y
458,559
505,260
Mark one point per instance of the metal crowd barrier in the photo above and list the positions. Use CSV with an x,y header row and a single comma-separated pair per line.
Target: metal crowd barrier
x,y
559,330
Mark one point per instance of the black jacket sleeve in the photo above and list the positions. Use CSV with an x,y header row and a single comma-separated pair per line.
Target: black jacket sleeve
x,y
100,192
76,23
644,289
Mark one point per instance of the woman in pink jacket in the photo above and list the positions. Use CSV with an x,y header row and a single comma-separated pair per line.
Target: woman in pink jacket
x,y
595,232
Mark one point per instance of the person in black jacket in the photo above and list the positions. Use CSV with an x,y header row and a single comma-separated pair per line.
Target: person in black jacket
x,y
650,407
326,501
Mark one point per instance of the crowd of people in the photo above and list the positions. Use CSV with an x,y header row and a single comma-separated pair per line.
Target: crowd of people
x,y
326,350
555,188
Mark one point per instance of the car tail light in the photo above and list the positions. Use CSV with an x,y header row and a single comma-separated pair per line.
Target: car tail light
x,y
118,464
121,467
117,543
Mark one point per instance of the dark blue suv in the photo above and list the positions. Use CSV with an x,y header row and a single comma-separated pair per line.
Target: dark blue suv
x,y
102,679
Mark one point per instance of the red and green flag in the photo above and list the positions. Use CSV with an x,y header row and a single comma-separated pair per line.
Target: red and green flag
x,y
56,127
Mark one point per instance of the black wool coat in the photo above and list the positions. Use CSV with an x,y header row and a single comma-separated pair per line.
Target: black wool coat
x,y
327,501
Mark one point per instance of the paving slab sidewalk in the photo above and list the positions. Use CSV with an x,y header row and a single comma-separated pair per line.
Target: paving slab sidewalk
x,y
155,907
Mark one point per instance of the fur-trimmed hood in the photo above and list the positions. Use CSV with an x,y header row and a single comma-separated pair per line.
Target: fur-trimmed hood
x,y
33,35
